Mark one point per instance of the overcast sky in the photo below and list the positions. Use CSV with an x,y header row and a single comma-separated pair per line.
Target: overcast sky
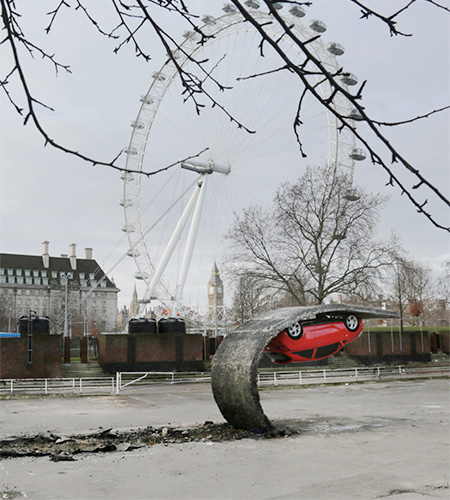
x,y
48,195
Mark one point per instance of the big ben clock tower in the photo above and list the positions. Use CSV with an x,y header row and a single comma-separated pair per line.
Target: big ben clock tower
x,y
215,295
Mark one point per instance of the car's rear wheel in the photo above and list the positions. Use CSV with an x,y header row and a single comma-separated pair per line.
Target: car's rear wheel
x,y
295,331
351,323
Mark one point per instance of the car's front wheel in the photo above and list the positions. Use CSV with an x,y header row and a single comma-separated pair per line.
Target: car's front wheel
x,y
295,331
351,323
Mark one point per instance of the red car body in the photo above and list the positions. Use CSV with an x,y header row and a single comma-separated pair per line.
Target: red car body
x,y
313,340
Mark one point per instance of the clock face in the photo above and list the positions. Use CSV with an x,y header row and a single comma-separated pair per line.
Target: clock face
x,y
211,289
219,289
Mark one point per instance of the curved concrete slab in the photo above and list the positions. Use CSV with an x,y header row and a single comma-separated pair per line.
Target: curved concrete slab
x,y
235,365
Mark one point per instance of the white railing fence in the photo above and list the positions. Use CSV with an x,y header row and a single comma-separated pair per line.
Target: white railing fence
x,y
129,380
85,385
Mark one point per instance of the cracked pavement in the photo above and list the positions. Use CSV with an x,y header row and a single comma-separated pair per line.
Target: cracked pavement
x,y
349,442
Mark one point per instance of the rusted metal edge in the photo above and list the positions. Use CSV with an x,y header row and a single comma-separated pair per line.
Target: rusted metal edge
x,y
235,366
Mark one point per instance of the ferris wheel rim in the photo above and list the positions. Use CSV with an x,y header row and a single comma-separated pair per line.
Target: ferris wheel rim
x,y
162,82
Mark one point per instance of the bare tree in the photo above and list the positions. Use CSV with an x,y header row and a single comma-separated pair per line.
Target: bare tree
x,y
443,282
314,242
248,297
135,18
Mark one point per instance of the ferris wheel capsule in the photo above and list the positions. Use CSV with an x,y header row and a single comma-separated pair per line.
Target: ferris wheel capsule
x,y
156,75
191,34
352,195
146,100
132,253
277,5
137,124
355,115
130,151
253,4
318,26
349,79
228,8
357,154
297,11
207,19
335,48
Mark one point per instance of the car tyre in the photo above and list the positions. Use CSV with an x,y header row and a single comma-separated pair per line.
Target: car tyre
x,y
351,322
295,331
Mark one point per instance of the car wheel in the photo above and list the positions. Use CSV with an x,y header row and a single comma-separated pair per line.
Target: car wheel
x,y
295,331
351,323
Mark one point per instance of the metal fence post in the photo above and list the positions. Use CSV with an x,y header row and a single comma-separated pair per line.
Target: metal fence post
x,y
45,388
356,373
275,382
300,377
324,375
12,387
118,382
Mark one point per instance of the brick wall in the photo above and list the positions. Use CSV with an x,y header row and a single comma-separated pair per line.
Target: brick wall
x,y
444,338
378,346
151,352
46,357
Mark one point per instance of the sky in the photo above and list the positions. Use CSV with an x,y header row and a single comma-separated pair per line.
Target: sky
x,y
47,195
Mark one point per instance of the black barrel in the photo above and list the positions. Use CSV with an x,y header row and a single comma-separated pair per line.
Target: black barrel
x,y
39,325
172,325
142,325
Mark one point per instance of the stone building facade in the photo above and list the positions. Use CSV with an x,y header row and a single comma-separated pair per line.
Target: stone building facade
x,y
40,283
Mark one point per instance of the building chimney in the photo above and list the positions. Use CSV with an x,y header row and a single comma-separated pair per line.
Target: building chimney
x,y
73,256
45,255
88,254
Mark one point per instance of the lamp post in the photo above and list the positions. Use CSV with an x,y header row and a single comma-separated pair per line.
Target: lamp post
x,y
66,341
66,322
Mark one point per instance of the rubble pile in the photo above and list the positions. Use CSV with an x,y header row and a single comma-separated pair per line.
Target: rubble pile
x,y
60,448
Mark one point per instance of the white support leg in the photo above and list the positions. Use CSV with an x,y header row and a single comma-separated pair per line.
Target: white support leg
x,y
190,242
173,240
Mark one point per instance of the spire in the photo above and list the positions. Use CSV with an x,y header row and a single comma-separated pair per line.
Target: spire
x,y
134,306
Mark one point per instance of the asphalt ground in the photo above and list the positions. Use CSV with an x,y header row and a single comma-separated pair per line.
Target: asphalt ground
x,y
385,440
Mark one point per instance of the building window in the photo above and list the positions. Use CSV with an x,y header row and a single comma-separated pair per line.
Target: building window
x,y
18,272
20,280
91,276
44,274
103,284
54,274
84,283
2,279
27,272
10,272
37,281
19,302
82,276
29,281
35,274
45,281
2,270
11,280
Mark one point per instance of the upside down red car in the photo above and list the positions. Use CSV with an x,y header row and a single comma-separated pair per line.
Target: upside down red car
x,y
313,339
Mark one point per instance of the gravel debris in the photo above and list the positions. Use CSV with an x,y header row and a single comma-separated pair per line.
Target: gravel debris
x,y
106,441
